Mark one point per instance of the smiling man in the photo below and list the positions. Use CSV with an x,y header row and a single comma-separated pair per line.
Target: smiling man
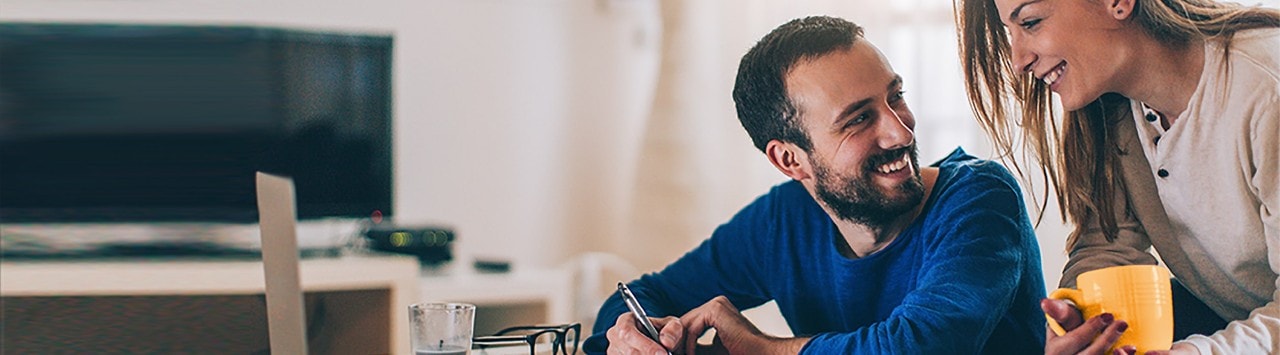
x,y
863,250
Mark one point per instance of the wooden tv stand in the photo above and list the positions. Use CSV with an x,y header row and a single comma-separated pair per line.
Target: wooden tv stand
x,y
355,305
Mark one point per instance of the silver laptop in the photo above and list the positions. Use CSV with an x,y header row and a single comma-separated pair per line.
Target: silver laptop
x,y
278,218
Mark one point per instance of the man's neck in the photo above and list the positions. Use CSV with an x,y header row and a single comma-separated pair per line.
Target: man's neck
x,y
862,240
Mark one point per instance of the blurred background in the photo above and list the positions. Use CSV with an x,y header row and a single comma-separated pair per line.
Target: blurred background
x,y
544,129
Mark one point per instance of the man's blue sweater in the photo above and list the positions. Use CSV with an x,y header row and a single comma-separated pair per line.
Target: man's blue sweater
x,y
964,277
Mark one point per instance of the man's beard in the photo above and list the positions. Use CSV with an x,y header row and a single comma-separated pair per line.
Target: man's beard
x,y
859,200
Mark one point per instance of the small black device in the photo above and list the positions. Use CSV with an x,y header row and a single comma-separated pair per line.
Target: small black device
x,y
486,265
432,245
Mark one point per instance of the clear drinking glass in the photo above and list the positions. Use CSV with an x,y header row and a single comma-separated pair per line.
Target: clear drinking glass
x,y
441,328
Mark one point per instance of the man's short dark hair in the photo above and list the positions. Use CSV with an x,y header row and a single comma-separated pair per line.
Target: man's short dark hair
x,y
760,92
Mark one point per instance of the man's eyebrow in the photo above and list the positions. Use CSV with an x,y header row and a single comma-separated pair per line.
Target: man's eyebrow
x,y
1013,15
897,81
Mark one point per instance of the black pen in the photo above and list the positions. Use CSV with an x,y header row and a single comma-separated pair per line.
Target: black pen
x,y
642,318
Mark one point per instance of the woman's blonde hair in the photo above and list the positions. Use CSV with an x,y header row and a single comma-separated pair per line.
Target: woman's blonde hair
x,y
1079,158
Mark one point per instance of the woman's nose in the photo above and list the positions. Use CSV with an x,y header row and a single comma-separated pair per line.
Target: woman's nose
x,y
1023,57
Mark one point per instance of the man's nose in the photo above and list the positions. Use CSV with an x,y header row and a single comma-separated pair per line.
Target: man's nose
x,y
894,133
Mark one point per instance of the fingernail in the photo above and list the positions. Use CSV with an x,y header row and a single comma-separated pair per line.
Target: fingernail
x,y
1107,318
660,353
1120,328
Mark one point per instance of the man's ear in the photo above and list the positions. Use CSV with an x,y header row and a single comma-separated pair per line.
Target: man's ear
x,y
789,159
1121,9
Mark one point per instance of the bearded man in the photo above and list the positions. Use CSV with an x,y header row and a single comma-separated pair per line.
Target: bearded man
x,y
863,250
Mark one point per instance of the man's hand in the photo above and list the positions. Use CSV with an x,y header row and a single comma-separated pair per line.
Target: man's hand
x,y
734,333
1094,336
626,338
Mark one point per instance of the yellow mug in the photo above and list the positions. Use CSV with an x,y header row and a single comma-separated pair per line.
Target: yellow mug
x,y
1137,294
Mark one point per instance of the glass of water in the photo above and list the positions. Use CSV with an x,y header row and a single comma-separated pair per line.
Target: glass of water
x,y
441,328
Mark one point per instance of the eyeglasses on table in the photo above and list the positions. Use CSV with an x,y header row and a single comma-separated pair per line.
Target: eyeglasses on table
x,y
563,339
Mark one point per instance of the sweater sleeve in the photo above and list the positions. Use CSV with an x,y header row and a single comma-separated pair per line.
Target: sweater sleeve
x,y
1092,250
726,264
968,282
1260,332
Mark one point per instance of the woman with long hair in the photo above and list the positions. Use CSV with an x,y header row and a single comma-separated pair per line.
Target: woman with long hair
x,y
1170,139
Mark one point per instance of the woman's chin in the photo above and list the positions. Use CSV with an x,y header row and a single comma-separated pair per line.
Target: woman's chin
x,y
1074,102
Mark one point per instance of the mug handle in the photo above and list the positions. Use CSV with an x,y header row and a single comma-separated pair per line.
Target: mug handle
x,y
1072,295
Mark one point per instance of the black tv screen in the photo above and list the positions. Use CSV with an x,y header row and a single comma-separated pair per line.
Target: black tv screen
x,y
138,123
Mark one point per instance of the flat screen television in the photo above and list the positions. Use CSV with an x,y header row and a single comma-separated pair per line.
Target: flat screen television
x,y
156,123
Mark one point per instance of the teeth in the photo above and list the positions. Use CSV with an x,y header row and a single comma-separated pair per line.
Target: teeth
x,y
1053,76
895,165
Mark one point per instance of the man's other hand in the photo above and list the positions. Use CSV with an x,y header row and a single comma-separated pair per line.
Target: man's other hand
x,y
734,333
625,337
